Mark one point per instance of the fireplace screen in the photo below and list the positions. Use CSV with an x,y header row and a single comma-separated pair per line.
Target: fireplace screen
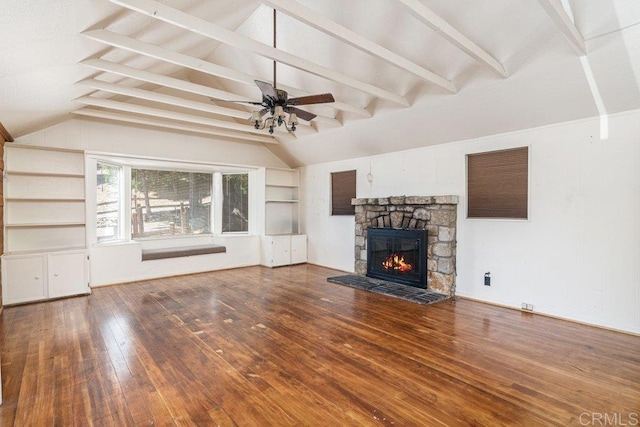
x,y
397,255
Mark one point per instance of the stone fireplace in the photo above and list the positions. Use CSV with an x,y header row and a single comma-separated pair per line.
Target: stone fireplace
x,y
435,214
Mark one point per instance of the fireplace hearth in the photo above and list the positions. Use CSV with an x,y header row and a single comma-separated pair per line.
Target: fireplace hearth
x,y
397,255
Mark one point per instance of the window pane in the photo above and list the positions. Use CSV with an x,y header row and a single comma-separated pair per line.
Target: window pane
x,y
167,203
235,193
108,200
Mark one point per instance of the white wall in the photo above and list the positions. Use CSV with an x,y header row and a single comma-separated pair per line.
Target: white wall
x,y
93,135
578,255
121,262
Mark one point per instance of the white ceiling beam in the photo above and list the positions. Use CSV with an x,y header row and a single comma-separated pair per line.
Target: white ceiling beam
x,y
453,36
564,23
166,114
152,51
178,102
161,80
335,30
110,115
194,24
162,98
123,42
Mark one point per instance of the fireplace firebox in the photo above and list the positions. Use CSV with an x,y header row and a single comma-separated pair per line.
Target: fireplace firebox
x,y
397,255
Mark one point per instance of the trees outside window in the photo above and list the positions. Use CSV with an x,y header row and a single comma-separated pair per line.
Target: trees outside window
x,y
235,202
108,199
167,203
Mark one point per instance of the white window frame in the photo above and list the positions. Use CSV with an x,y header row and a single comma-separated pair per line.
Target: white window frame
x,y
129,163
221,204
128,195
121,211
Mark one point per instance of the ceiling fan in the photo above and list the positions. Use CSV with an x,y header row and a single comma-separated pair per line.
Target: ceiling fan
x,y
277,102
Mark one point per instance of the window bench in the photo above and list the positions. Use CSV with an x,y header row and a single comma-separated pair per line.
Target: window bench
x,y
150,254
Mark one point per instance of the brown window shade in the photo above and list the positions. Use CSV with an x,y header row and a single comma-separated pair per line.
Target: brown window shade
x,y
497,184
343,189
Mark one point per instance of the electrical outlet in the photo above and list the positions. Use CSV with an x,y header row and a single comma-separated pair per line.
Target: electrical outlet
x,y
527,307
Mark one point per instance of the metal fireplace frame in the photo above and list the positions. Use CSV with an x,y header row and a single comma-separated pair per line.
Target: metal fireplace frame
x,y
420,235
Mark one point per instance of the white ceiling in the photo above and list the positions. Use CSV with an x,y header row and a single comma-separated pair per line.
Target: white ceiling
x,y
382,106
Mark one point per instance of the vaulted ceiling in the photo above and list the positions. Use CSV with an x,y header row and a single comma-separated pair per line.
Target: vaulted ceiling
x,y
404,73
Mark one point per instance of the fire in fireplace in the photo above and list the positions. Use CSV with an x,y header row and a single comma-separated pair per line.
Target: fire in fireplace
x,y
396,262
397,255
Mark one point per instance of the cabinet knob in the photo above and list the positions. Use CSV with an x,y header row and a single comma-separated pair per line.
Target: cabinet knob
x,y
37,277
56,275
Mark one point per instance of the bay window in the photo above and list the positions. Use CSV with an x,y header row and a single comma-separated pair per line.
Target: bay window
x,y
144,199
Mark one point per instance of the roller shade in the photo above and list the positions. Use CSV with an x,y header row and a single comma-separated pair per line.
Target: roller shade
x,y
343,189
497,184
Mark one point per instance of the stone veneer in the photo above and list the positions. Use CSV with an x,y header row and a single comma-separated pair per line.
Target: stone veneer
x,y
436,214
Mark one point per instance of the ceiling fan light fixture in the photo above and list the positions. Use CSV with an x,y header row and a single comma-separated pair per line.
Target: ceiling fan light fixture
x,y
279,112
278,117
293,121
256,118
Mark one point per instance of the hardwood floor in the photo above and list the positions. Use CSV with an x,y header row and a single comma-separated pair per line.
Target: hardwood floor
x,y
259,346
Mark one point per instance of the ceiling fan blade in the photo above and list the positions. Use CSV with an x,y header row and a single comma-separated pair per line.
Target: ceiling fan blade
x,y
304,115
311,99
236,101
267,89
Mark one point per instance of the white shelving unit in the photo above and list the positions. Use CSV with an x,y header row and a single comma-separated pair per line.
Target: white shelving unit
x,y
281,201
44,199
281,243
45,224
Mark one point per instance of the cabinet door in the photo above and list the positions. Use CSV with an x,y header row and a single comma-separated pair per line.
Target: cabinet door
x,y
281,250
298,249
68,274
23,279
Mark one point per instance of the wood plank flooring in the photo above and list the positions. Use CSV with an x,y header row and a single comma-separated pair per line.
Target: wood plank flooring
x,y
258,347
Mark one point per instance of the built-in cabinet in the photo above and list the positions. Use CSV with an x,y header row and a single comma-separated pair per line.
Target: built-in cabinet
x,y
44,224
281,244
34,277
283,250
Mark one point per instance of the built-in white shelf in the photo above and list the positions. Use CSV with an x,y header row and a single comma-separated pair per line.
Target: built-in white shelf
x,y
49,250
44,189
46,200
45,174
45,225
281,201
282,185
